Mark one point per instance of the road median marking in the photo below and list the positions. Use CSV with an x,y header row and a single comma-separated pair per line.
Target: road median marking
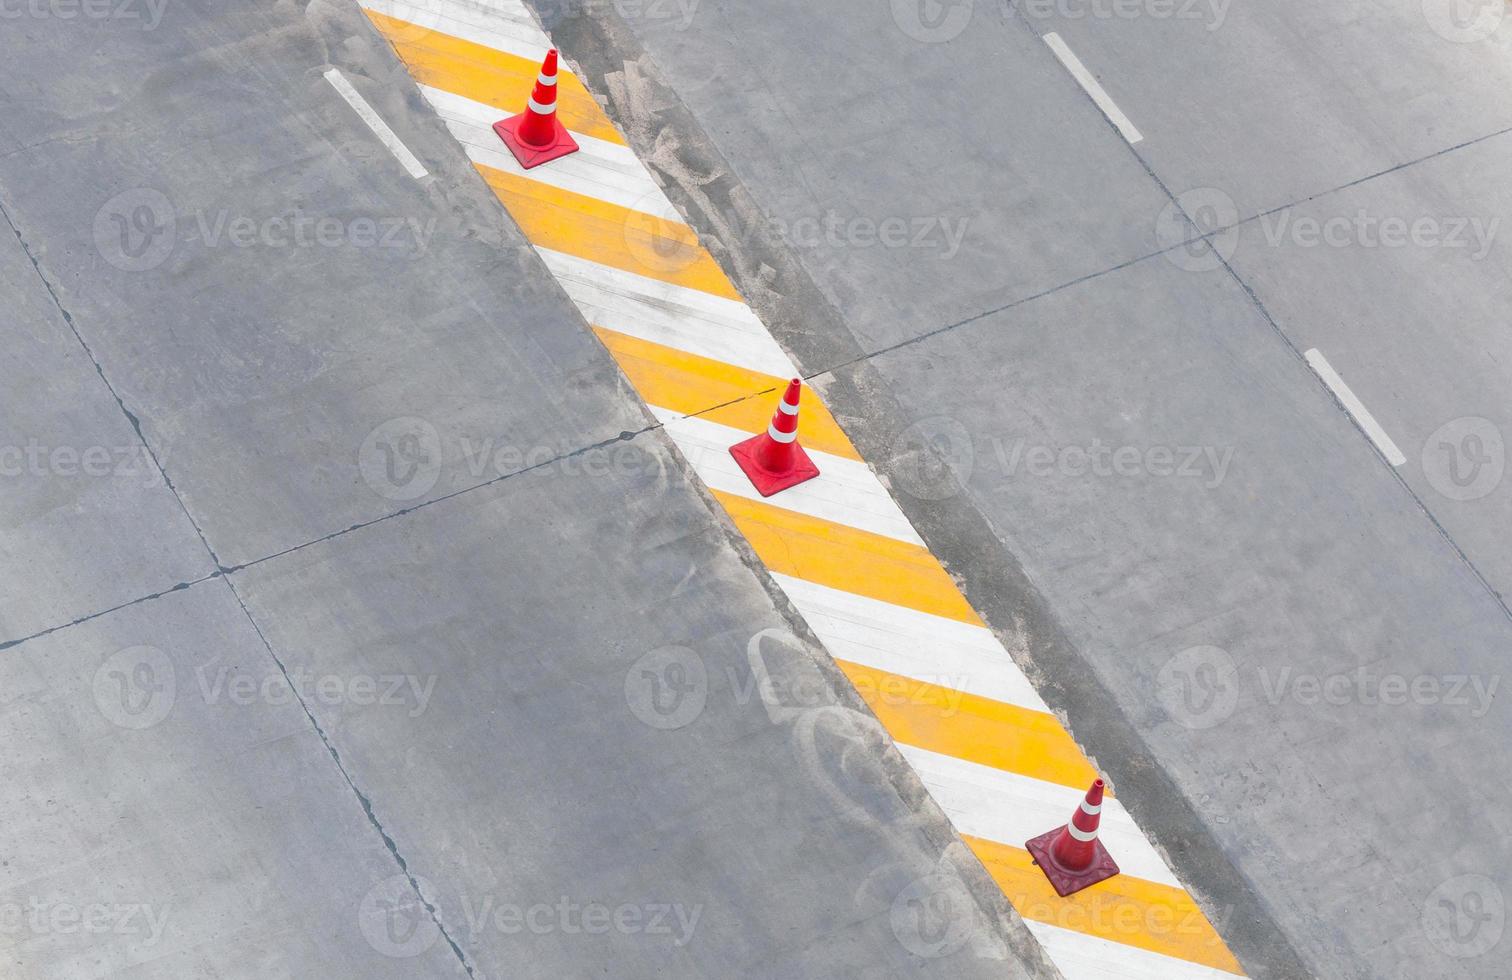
x,y
495,78
1123,909
689,384
882,604
847,559
594,229
976,729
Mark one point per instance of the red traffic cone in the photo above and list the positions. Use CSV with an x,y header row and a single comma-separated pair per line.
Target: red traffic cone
x,y
534,136
773,460
1071,856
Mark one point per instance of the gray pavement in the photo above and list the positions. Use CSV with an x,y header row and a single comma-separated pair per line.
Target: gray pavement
x,y
1276,102
1283,649
77,479
1386,127
160,824
419,654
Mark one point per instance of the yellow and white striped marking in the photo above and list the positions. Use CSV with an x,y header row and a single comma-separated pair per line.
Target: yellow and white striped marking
x,y
979,736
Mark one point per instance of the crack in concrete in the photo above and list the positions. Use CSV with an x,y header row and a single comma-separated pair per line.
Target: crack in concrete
x,y
180,587
225,571
362,798
131,417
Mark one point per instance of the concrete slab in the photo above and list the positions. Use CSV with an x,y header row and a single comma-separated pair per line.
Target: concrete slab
x,y
240,251
170,811
579,725
1276,102
86,520
1404,287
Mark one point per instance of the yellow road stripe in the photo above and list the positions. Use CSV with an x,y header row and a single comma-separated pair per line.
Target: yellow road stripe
x,y
608,234
495,78
1123,909
844,558
689,385
973,728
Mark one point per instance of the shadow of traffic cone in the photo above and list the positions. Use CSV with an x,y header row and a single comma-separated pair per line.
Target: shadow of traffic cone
x,y
1071,856
534,136
773,460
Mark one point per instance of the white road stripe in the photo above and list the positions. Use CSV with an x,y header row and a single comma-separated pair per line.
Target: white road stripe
x,y
1009,808
1079,956
910,643
845,491
504,25
376,124
688,320
1356,407
600,169
1090,85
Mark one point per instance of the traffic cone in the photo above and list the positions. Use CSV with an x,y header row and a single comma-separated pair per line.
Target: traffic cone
x,y
773,460
1071,856
534,136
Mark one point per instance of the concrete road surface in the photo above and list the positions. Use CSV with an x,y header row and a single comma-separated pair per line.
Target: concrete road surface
x,y
355,619
1018,268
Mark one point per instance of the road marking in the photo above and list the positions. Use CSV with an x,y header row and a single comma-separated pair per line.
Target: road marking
x,y
845,491
904,641
1123,909
600,169
1083,956
665,313
491,25
980,730
376,124
1002,805
679,383
848,559
1090,85
884,607
634,241
493,77
1356,407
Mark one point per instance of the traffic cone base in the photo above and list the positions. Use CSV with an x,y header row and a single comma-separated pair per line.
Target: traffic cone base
x,y
529,155
765,481
773,460
1065,880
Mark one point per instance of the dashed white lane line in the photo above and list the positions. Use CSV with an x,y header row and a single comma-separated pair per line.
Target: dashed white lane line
x,y
1356,407
376,124
1090,85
